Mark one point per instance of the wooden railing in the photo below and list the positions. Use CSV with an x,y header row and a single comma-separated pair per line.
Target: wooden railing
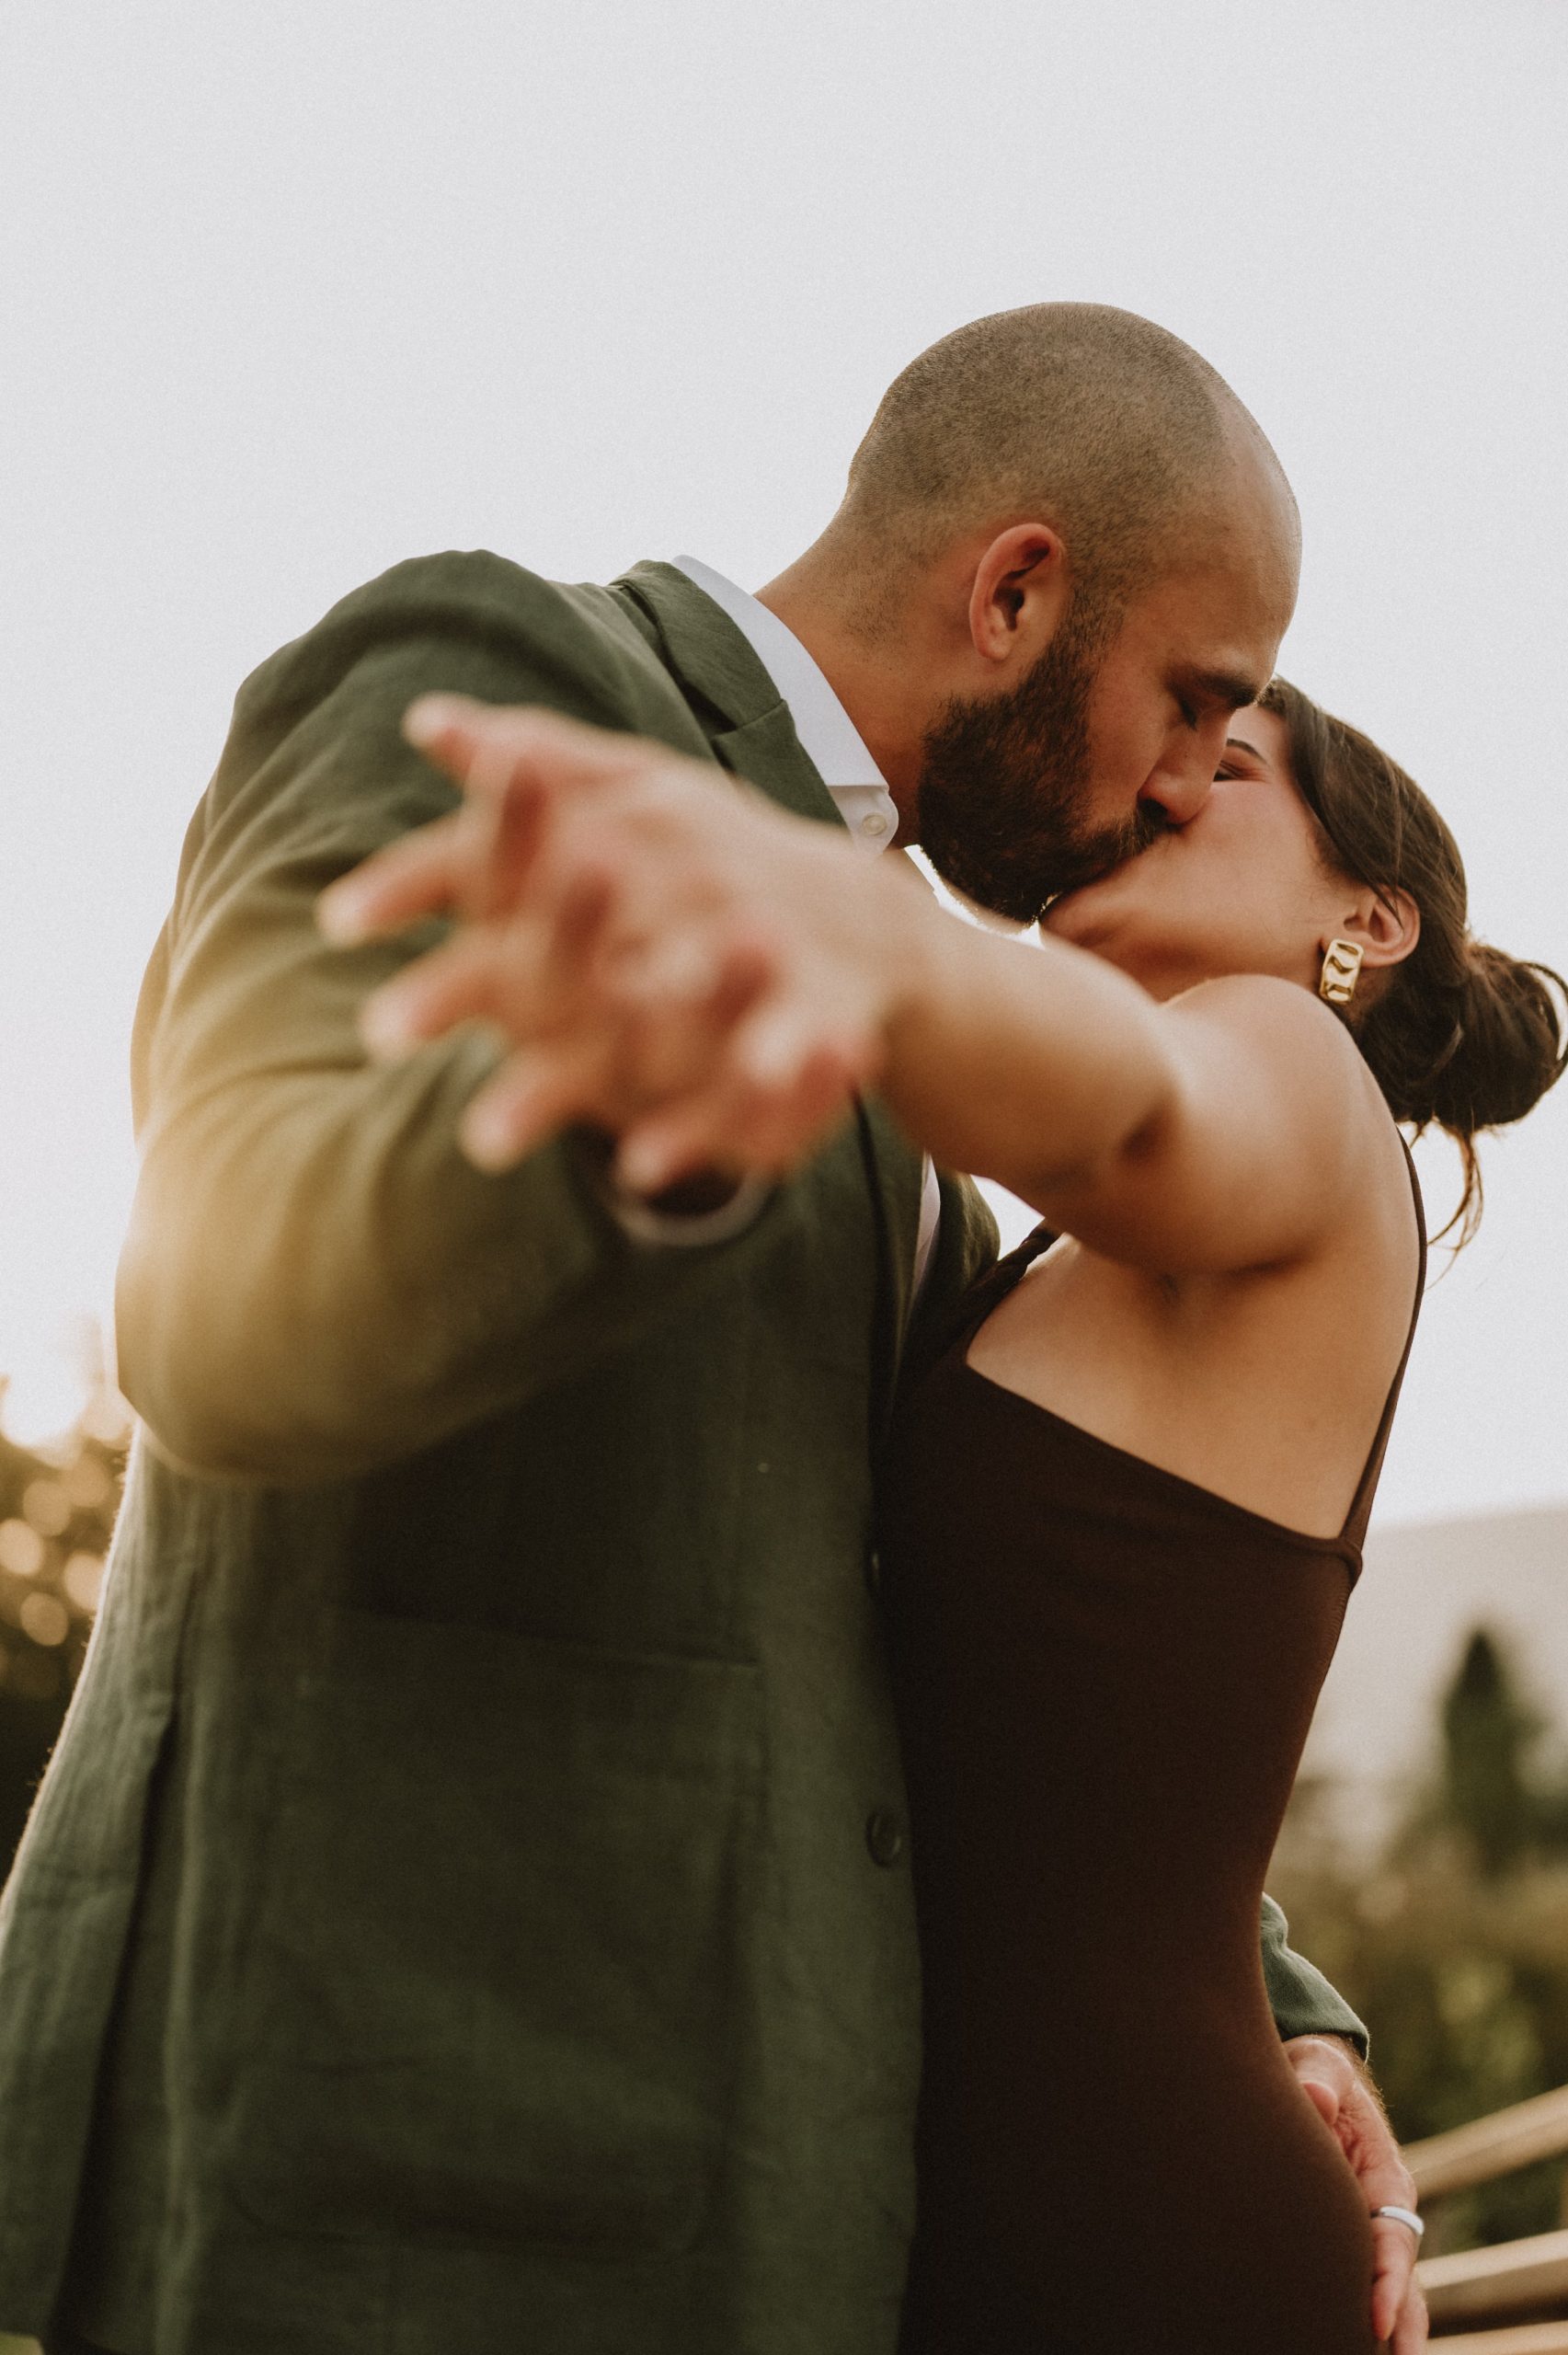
x,y
1478,2297
1497,2288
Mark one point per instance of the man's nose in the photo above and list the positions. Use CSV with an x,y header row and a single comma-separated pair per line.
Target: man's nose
x,y
1183,781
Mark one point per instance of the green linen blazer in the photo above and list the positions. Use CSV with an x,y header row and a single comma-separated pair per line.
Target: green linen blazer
x,y
469,1907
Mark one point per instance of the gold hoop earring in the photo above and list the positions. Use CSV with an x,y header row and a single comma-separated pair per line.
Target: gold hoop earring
x,y
1342,971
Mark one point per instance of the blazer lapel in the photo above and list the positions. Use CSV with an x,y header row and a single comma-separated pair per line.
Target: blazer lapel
x,y
749,726
735,702
894,1170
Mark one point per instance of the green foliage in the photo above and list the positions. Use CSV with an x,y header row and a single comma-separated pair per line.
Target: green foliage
x,y
1463,1981
1490,1791
1454,1947
56,1516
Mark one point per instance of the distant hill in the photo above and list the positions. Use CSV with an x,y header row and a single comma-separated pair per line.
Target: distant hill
x,y
1425,1586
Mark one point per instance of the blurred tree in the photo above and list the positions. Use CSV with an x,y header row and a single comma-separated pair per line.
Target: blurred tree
x,y
1454,1944
56,1516
1493,1792
1488,1738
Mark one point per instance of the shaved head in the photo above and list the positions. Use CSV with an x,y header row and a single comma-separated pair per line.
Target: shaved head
x,y
1066,554
1089,419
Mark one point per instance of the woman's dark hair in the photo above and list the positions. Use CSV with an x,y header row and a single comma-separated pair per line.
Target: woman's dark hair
x,y
1459,1035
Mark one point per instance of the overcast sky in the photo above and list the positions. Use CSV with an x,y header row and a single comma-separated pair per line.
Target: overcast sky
x,y
293,289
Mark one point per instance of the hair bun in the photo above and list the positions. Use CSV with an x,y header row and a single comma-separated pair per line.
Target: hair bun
x,y
1509,1046
1456,1033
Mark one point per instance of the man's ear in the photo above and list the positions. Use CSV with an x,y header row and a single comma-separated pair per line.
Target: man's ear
x,y
1019,594
1386,928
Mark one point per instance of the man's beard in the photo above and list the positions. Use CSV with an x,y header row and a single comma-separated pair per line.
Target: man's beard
x,y
1004,786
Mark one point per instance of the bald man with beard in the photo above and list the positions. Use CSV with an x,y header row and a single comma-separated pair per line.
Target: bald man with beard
x,y
469,1907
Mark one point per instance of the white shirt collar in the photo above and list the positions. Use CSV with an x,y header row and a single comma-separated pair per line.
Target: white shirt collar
x,y
828,737
834,746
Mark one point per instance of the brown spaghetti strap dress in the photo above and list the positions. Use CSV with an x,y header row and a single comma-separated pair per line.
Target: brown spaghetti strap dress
x,y
1105,1676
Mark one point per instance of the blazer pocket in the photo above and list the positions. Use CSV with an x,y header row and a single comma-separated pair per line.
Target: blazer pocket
x,y
495,1995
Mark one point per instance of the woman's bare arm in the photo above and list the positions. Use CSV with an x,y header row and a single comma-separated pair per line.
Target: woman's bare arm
x,y
1218,1131
1222,1130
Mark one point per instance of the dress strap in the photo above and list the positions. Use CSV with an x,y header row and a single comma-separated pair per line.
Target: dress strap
x,y
997,1282
1355,1530
952,1333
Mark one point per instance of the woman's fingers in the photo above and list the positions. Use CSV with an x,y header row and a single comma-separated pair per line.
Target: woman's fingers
x,y
569,944
730,1123
419,875
791,1029
460,981
676,1140
514,767
536,1093
508,826
533,979
591,1059
675,1004
485,746
618,940
746,970
789,1122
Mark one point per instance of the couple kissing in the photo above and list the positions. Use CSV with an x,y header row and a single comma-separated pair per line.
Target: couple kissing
x,y
675,1757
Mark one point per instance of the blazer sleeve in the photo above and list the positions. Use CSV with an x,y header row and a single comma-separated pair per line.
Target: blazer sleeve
x,y
1300,1997
316,1282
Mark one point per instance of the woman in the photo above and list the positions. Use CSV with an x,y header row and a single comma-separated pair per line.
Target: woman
x,y
1125,1514
1124,1510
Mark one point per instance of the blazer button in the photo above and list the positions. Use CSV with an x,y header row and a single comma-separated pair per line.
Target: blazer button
x,y
884,1836
873,1572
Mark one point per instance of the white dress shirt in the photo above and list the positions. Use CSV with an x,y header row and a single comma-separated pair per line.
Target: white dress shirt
x,y
828,737
834,746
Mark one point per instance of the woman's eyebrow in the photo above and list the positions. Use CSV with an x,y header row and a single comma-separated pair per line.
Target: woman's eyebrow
x,y
1242,746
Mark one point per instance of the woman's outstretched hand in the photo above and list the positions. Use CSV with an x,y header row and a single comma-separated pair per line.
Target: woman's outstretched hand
x,y
710,980
669,958
1338,2086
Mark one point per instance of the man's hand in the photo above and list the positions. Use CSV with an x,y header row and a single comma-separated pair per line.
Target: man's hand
x,y
1336,2081
672,958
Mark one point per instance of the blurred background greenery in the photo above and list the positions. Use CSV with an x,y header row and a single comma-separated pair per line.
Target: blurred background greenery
x,y
56,1515
57,1511
1451,1936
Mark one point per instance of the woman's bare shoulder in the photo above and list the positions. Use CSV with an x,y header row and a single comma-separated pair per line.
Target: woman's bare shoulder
x,y
1310,1046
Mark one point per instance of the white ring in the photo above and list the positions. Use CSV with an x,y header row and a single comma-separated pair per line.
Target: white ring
x,y
1406,2216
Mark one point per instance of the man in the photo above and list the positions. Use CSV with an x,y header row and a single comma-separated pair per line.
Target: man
x,y
469,1906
